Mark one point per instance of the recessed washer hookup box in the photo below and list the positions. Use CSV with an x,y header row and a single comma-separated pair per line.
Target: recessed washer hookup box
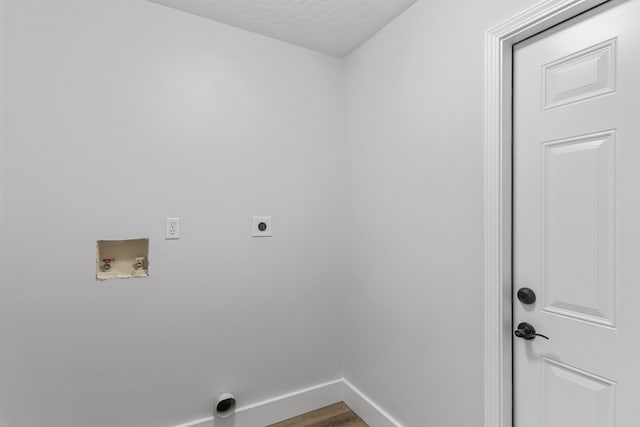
x,y
122,259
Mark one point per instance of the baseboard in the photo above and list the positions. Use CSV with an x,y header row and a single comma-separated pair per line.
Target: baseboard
x,y
289,405
370,412
278,408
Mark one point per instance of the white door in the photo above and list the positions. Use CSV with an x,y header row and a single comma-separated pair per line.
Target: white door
x,y
577,221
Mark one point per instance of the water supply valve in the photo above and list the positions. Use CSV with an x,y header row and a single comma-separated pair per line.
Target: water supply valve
x,y
139,263
106,263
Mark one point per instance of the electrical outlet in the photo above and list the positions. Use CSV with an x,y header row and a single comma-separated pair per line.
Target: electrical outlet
x,y
261,226
172,228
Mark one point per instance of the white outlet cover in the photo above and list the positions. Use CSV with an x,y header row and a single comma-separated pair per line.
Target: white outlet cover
x,y
172,228
262,226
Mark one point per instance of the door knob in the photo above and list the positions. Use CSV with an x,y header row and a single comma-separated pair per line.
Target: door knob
x,y
527,331
526,296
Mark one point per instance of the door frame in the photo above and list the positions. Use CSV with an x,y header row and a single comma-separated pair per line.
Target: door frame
x,y
499,41
3,30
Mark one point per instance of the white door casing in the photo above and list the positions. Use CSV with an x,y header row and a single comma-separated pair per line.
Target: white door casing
x,y
498,167
575,215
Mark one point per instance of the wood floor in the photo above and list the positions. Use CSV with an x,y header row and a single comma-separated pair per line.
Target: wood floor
x,y
336,415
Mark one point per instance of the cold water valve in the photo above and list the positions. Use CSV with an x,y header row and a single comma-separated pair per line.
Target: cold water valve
x,y
140,262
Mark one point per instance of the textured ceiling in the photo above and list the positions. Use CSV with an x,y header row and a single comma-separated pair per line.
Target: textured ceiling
x,y
335,27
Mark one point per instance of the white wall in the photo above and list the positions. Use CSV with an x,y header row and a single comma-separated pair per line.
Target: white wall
x,y
122,112
414,94
118,114
3,340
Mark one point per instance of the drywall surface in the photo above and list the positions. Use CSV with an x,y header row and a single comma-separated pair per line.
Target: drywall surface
x,y
2,25
3,338
335,27
120,113
414,278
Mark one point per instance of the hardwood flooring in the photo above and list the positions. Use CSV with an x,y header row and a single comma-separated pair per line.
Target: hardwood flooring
x,y
336,415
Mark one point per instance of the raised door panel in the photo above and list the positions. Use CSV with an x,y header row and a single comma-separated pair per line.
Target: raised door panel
x,y
578,224
579,76
573,397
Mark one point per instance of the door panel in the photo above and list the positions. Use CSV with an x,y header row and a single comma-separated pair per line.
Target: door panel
x,y
579,76
577,398
578,200
576,222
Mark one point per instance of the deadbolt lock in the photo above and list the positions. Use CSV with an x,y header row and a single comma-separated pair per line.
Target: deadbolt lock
x,y
526,296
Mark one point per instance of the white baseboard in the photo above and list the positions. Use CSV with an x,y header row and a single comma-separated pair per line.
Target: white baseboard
x,y
278,408
298,402
370,412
